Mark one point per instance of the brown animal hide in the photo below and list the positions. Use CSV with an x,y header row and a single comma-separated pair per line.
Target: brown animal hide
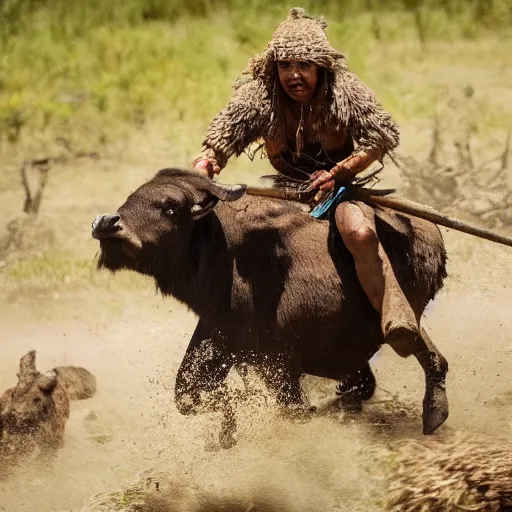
x,y
257,258
79,383
272,285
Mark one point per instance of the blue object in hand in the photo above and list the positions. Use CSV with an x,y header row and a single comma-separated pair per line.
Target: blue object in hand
x,y
334,199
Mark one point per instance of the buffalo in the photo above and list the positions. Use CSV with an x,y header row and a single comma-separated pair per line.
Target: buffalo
x,y
273,287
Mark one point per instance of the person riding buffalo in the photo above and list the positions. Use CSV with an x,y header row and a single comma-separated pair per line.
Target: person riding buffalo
x,y
318,121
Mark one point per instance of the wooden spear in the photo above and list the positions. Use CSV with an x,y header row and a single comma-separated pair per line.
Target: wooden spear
x,y
395,203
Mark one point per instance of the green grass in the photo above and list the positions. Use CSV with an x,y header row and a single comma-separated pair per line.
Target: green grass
x,y
92,73
49,270
56,270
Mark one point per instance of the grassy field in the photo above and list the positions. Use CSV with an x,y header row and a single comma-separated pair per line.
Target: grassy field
x,y
88,74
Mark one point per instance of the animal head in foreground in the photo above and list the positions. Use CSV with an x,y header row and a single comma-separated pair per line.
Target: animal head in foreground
x,y
34,412
31,400
156,217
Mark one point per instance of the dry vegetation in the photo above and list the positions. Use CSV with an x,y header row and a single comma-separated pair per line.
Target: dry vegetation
x,y
464,473
455,180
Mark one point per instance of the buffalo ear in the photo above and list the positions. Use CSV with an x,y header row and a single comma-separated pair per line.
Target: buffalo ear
x,y
217,191
200,210
48,381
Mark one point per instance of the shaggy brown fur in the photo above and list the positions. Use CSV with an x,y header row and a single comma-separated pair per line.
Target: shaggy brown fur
x,y
79,383
342,102
272,286
33,413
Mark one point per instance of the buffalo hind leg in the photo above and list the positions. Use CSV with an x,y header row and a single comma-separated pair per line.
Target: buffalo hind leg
x,y
435,366
356,387
200,380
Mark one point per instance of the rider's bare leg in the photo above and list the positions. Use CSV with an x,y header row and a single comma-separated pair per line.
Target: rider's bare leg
x,y
356,224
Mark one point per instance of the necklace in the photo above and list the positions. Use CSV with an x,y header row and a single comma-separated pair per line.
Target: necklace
x,y
299,135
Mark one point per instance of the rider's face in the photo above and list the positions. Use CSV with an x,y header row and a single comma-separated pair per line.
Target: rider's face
x,y
298,78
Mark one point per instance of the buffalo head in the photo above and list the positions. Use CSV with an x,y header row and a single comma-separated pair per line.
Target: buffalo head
x,y
151,224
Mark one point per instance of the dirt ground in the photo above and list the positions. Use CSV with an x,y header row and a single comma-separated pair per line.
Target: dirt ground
x,y
133,341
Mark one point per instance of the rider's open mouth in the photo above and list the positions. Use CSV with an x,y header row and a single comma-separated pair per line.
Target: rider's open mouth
x,y
298,88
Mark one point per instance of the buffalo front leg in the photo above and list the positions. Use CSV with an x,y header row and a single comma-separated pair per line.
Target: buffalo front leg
x,y
435,366
200,380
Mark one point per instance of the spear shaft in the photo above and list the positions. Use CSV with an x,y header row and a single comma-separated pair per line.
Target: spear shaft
x,y
395,203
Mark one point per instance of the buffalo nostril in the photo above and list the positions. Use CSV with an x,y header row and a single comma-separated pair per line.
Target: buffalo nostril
x,y
105,225
111,220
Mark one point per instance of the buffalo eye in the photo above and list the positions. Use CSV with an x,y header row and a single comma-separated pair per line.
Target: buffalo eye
x,y
167,208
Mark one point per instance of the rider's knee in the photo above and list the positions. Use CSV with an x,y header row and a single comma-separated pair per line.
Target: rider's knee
x,y
360,238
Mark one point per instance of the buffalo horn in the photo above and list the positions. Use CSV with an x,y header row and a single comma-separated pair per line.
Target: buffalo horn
x,y
227,192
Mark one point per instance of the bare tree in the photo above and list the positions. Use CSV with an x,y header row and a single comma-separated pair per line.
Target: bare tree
x,y
479,190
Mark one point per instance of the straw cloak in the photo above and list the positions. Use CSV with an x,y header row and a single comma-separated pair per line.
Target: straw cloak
x,y
342,102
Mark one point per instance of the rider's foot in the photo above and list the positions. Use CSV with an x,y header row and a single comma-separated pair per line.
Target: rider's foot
x,y
402,333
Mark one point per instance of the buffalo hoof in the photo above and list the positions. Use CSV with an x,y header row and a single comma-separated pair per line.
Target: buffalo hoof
x,y
435,409
353,392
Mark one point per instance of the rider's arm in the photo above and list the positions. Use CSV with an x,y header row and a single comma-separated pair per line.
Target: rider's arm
x,y
358,161
235,127
373,130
